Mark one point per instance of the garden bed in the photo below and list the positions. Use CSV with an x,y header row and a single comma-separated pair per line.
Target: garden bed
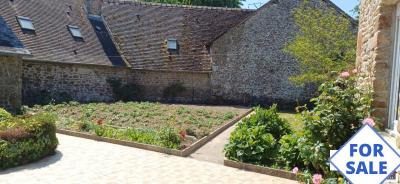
x,y
260,169
168,128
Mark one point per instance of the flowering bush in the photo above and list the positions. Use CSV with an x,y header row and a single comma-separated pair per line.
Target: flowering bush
x,y
339,110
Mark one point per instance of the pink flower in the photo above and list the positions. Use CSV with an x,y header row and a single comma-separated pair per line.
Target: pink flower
x,y
368,121
355,71
344,75
317,179
295,170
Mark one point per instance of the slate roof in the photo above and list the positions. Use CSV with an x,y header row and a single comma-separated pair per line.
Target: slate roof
x,y
51,40
141,31
9,43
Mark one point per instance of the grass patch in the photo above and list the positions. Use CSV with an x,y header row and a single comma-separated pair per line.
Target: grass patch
x,y
145,122
294,120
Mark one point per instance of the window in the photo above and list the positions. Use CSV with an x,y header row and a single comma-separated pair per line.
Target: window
x,y
25,23
75,31
172,44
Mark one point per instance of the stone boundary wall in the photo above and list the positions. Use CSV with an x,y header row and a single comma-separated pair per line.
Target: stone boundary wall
x,y
10,82
88,83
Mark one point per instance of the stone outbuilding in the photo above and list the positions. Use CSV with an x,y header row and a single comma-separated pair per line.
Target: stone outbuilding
x,y
219,55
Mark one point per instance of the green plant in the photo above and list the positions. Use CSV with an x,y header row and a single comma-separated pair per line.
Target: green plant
x,y
289,153
337,115
270,118
173,90
27,139
168,137
4,115
255,138
251,145
326,42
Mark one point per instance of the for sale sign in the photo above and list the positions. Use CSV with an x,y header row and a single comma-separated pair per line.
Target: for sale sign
x,y
366,158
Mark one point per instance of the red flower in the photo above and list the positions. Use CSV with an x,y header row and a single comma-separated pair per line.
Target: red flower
x,y
100,122
182,134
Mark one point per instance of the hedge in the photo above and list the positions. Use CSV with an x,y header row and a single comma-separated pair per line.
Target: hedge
x,y
26,139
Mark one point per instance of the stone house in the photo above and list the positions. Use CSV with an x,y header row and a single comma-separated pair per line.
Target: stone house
x,y
220,55
378,58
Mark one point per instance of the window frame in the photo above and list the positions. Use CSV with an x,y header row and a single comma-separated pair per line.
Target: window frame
x,y
71,28
172,40
20,20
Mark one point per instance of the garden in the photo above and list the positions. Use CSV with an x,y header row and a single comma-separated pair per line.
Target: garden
x,y
165,125
267,139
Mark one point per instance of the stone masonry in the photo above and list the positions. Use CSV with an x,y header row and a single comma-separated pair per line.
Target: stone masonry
x,y
375,52
249,64
88,83
10,82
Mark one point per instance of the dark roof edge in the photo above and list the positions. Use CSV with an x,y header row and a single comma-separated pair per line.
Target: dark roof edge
x,y
112,38
122,2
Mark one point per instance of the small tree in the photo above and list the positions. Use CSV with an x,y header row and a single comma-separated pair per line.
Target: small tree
x,y
326,42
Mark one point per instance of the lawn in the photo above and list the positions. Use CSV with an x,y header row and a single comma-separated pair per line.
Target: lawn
x,y
167,125
294,120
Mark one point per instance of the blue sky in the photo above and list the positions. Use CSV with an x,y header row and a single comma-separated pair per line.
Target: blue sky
x,y
346,5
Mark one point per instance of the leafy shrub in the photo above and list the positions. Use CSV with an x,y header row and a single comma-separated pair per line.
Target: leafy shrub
x,y
26,139
251,145
128,92
255,138
4,115
289,152
337,115
173,90
269,118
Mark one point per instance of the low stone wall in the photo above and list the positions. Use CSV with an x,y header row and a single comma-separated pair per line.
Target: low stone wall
x,y
88,83
10,82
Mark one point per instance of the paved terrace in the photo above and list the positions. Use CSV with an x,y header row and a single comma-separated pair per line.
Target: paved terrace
x,y
85,161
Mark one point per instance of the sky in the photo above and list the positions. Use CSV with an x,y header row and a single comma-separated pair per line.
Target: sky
x,y
346,5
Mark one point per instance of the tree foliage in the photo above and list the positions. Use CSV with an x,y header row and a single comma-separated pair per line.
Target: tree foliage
x,y
326,42
215,3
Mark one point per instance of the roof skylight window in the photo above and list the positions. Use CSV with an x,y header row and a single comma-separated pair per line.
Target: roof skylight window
x,y
75,31
172,44
25,23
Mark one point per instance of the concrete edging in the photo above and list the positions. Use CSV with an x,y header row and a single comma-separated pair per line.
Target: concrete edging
x,y
261,169
182,153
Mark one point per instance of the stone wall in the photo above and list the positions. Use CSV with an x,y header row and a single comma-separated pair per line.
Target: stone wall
x,y
374,51
88,83
249,65
10,82
197,85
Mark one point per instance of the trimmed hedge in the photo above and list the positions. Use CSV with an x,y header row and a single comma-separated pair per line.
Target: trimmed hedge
x,y
26,139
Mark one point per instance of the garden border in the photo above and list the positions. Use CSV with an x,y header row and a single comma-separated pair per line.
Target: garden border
x,y
182,153
260,169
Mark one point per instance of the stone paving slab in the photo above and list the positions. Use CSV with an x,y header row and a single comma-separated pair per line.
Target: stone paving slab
x,y
83,161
